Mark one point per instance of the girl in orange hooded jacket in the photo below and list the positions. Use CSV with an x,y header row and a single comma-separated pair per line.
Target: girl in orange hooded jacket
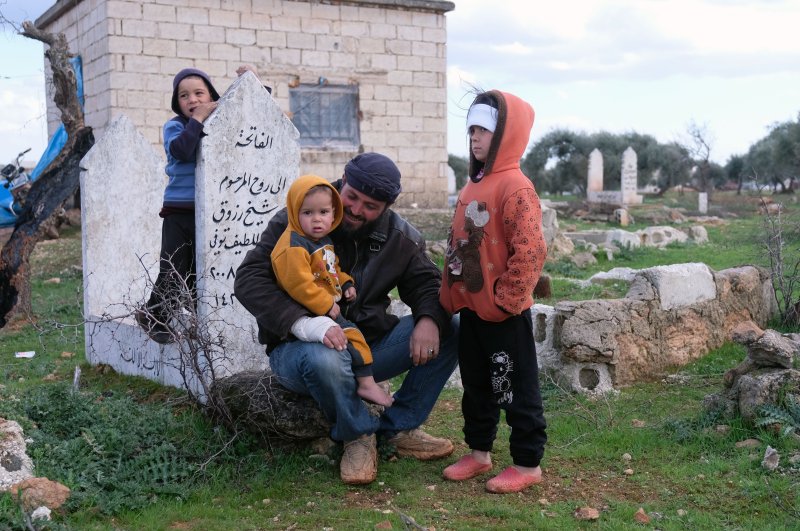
x,y
496,252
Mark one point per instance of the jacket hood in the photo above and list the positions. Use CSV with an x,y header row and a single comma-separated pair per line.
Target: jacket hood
x,y
514,123
296,195
180,76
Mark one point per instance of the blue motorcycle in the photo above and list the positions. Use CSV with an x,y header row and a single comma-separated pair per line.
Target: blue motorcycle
x,y
16,183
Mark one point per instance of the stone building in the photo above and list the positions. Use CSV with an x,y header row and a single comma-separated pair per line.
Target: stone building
x,y
354,75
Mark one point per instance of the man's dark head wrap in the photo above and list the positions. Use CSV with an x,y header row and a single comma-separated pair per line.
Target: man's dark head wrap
x,y
374,175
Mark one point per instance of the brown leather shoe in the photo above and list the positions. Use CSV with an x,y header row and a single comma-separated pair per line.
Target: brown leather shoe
x,y
419,445
359,463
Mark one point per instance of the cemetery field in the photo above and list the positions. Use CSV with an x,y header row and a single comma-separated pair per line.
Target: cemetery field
x,y
139,456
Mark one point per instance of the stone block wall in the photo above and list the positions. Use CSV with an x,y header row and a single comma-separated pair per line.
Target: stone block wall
x,y
394,50
670,316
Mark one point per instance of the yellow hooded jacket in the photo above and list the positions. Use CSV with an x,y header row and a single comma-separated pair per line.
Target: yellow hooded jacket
x,y
307,269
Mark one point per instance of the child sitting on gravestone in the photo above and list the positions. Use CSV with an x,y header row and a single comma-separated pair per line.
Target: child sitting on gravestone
x,y
306,267
193,100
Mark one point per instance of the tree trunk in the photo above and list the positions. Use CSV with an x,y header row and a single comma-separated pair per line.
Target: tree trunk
x,y
261,405
53,188
47,196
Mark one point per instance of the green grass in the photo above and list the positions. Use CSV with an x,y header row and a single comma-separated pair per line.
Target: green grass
x,y
139,456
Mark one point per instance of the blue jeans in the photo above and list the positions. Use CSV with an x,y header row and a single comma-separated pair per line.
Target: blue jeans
x,y
327,376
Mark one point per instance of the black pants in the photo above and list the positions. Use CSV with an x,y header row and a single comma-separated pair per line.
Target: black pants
x,y
176,267
499,370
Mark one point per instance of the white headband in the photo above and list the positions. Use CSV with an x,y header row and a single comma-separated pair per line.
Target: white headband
x,y
482,115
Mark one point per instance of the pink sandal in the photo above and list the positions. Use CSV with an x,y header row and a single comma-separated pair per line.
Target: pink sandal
x,y
465,468
511,480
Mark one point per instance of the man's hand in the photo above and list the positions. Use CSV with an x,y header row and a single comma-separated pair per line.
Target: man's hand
x,y
335,338
424,341
350,294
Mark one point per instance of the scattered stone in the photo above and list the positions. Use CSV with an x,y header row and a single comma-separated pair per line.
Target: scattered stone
x,y
36,492
583,260
386,524
323,445
66,354
626,457
41,513
628,472
748,443
624,274
15,465
746,333
681,512
586,513
636,423
641,516
722,429
771,459
544,501
54,280
699,234
543,288
431,487
794,459
622,217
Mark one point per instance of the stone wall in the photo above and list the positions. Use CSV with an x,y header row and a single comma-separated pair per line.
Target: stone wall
x,y
394,50
670,316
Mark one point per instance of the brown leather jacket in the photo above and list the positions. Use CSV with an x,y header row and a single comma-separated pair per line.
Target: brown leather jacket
x,y
392,256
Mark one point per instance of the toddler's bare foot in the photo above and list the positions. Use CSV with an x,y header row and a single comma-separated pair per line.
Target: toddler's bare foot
x,y
372,392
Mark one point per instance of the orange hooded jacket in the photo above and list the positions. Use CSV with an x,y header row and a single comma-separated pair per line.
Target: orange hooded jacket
x,y
496,248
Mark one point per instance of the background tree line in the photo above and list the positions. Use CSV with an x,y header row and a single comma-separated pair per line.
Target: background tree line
x,y
558,162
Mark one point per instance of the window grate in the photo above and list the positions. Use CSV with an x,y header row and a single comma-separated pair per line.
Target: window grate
x,y
326,115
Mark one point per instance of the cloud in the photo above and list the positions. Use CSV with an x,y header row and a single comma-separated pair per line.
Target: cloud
x,y
582,41
22,122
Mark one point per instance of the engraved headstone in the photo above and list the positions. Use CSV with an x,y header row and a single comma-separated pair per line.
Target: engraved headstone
x,y
630,178
246,163
595,181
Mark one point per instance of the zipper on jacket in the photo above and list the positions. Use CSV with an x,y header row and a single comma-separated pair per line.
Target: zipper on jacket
x,y
357,281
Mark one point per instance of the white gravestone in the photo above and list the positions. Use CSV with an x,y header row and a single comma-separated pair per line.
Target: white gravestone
x,y
629,178
122,184
594,184
246,163
595,181
702,202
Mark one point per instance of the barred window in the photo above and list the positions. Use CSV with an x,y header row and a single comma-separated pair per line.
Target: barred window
x,y
326,115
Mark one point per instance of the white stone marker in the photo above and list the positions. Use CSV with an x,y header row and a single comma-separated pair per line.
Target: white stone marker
x,y
702,202
595,178
247,162
629,178
121,194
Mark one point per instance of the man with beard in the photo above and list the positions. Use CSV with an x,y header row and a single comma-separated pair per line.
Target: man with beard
x,y
381,251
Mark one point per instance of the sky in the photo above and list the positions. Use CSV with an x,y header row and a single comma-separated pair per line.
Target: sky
x,y
650,66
